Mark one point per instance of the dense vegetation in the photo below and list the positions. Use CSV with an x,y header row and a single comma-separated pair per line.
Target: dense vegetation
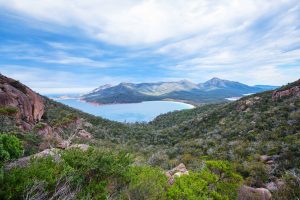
x,y
102,174
240,133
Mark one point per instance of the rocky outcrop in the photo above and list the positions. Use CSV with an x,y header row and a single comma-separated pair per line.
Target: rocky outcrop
x,y
53,136
176,172
245,105
63,144
293,91
250,193
23,162
275,185
29,104
84,134
83,147
53,152
268,159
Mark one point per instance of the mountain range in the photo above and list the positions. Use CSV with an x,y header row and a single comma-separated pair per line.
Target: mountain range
x,y
213,90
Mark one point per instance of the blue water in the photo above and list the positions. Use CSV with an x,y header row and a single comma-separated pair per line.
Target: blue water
x,y
133,112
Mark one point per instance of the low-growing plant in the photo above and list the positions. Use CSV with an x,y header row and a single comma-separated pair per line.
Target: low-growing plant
x,y
8,110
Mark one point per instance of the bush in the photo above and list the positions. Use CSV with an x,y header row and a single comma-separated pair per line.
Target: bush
x,y
7,110
146,183
189,187
10,147
79,174
17,181
217,180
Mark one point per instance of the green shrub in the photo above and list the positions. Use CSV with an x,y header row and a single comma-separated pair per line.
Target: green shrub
x,y
39,126
98,169
17,181
216,180
8,110
81,174
146,183
10,147
189,187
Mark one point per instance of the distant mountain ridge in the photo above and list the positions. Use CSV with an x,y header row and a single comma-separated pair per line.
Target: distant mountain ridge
x,y
213,90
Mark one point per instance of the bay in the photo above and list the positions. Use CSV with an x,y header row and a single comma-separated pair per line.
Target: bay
x,y
131,112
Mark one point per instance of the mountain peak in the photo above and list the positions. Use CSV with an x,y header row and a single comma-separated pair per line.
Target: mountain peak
x,y
103,87
216,78
125,84
216,82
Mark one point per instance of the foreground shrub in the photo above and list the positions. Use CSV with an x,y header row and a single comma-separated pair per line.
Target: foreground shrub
x,y
10,147
217,180
78,174
17,181
146,183
97,170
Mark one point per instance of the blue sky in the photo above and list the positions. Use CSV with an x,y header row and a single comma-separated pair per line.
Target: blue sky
x,y
60,46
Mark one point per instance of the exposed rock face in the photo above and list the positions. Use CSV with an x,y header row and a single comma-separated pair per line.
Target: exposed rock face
x,y
294,91
249,193
247,104
54,135
87,125
275,185
45,130
176,172
84,134
64,144
29,104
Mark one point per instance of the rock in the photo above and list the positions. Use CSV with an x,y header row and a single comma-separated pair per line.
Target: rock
x,y
46,152
84,134
264,158
222,121
53,152
176,172
87,125
249,193
29,104
63,144
294,91
256,98
274,185
45,130
23,162
270,162
245,105
49,135
83,147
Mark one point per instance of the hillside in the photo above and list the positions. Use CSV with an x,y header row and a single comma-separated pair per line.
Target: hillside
x,y
45,122
258,135
214,90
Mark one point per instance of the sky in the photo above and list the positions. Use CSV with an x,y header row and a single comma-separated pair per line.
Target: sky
x,y
62,46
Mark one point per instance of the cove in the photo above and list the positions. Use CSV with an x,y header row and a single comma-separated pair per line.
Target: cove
x,y
132,112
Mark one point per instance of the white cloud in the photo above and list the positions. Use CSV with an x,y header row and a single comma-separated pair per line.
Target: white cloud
x,y
51,81
248,41
58,53
135,22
